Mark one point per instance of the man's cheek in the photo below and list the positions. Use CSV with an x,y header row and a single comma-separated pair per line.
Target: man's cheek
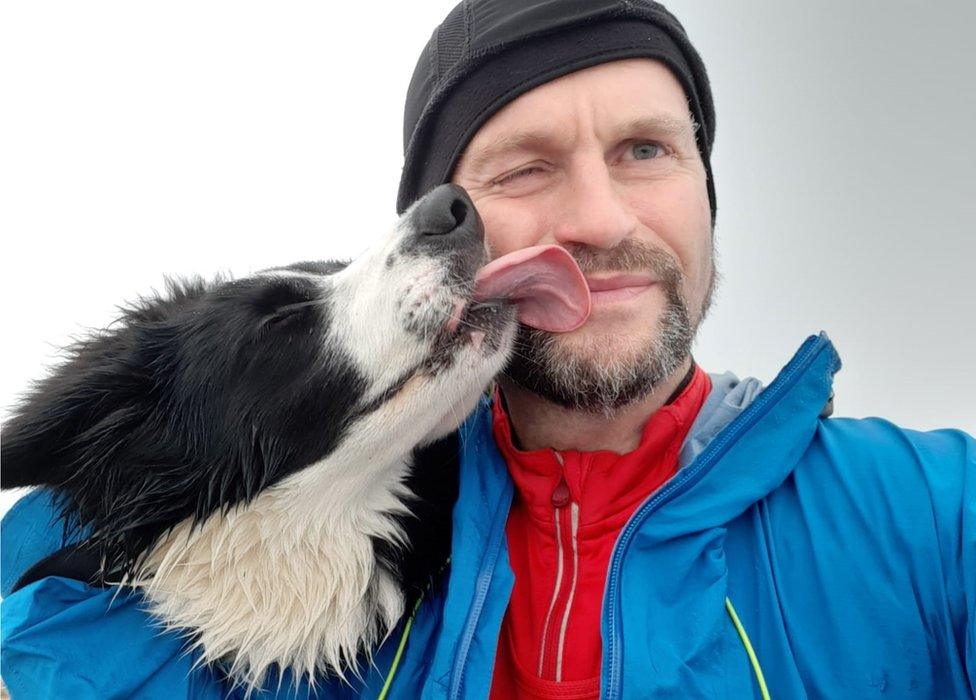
x,y
504,235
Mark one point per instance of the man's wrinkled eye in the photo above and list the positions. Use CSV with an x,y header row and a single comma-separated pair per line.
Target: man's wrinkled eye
x,y
514,176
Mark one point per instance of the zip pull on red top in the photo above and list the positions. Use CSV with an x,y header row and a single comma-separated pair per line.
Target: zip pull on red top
x,y
561,495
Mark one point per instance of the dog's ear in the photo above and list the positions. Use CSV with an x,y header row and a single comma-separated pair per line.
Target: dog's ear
x,y
76,416
82,414
94,429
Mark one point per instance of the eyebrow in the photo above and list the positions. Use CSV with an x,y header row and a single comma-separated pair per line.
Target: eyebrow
x,y
658,125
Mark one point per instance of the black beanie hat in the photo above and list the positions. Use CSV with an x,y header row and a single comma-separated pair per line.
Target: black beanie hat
x,y
488,52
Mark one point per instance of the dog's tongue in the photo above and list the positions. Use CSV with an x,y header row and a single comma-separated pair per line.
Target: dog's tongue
x,y
543,281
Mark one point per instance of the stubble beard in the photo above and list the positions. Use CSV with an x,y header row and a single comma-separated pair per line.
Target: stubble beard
x,y
604,373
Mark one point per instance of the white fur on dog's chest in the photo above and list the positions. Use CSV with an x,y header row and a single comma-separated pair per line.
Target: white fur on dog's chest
x,y
290,579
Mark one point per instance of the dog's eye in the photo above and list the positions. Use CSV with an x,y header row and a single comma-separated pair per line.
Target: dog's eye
x,y
282,301
274,320
287,313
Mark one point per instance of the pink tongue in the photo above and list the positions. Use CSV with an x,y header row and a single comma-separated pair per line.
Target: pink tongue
x,y
544,281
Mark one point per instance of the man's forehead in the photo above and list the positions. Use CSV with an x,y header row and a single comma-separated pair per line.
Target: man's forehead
x,y
497,142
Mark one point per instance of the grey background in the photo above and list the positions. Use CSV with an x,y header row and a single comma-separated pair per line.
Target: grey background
x,y
138,140
847,196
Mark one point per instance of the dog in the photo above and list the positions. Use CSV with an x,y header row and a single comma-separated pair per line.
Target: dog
x,y
272,460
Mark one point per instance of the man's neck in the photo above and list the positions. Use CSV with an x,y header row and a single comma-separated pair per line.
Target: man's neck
x,y
538,423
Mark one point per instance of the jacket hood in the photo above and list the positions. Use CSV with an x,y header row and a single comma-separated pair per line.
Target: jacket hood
x,y
747,458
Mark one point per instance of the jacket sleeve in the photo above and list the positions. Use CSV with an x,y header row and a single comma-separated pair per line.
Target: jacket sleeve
x,y
946,460
878,535
959,517
61,638
933,519
64,639
936,526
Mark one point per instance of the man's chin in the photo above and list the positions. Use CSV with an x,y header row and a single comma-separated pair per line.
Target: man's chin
x,y
595,349
615,340
593,371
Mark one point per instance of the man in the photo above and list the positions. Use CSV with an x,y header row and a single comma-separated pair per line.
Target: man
x,y
590,125
615,176
645,529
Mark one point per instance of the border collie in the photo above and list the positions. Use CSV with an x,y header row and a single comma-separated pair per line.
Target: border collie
x,y
272,460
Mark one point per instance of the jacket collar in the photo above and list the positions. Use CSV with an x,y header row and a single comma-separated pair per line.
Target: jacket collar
x,y
604,483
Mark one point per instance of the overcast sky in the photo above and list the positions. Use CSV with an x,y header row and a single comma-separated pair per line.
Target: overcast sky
x,y
143,139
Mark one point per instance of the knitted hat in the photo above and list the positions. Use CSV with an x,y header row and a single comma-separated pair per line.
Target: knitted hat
x,y
488,52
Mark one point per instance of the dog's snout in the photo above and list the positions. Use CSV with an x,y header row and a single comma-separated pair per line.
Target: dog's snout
x,y
447,211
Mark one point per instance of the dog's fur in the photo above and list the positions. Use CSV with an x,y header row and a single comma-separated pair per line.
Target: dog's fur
x,y
272,460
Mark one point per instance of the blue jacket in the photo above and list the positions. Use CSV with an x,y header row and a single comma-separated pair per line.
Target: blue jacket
x,y
846,547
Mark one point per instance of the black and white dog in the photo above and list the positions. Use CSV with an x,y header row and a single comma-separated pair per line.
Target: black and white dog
x,y
272,460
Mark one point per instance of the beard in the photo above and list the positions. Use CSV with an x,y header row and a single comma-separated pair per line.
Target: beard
x,y
603,373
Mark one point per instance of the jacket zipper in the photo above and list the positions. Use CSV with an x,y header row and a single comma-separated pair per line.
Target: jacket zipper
x,y
553,639
685,480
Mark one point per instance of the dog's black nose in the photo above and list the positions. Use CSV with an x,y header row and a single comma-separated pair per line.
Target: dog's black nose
x,y
445,210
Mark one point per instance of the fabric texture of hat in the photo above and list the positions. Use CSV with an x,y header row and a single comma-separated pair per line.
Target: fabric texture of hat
x,y
488,52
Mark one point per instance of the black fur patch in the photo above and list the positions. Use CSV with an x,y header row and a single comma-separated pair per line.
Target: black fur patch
x,y
194,401
434,481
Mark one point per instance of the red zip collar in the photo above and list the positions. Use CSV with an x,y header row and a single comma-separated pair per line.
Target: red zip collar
x,y
604,483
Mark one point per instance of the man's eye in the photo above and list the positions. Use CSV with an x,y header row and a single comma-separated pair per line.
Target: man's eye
x,y
647,150
513,176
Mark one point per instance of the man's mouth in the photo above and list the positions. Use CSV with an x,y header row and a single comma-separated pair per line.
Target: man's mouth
x,y
602,284
618,287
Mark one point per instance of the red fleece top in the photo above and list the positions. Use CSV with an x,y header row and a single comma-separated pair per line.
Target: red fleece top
x,y
568,509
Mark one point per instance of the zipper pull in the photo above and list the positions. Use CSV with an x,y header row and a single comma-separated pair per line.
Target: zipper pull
x,y
561,494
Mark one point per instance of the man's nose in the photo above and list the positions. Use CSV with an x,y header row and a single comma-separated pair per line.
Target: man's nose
x,y
594,212
446,218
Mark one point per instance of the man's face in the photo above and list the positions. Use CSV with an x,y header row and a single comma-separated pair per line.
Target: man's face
x,y
603,162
